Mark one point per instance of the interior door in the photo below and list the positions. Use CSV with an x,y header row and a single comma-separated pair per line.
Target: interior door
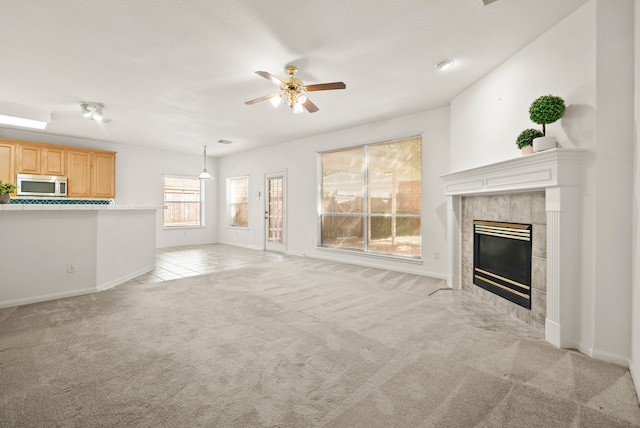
x,y
275,211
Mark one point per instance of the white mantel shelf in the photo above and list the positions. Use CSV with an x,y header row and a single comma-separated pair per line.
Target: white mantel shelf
x,y
551,168
557,173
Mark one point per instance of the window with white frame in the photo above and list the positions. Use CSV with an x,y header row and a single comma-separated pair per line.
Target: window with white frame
x,y
238,201
183,201
371,198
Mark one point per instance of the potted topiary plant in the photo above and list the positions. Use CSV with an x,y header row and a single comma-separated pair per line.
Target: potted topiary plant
x,y
544,110
525,140
5,192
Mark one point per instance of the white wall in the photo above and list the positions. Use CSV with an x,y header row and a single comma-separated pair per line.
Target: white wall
x,y
139,174
635,328
586,59
49,240
299,159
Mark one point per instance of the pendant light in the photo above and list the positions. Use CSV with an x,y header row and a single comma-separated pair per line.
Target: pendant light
x,y
204,175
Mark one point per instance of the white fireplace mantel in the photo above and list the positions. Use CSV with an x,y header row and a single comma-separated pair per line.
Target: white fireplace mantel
x,y
557,172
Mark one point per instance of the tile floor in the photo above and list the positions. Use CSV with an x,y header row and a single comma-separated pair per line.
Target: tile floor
x,y
183,262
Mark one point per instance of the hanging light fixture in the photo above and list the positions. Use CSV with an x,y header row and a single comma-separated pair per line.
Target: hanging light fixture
x,y
204,175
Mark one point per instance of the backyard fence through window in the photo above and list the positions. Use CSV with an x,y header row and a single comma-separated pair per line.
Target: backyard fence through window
x,y
182,201
371,198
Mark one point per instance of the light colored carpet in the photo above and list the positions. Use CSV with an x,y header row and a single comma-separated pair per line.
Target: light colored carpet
x,y
295,342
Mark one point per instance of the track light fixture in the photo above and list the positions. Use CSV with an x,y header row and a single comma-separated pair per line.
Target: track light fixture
x,y
93,111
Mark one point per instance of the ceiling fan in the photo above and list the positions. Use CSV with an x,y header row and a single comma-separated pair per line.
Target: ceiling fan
x,y
292,91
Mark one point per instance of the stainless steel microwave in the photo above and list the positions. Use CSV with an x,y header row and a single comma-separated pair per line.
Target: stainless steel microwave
x,y
41,185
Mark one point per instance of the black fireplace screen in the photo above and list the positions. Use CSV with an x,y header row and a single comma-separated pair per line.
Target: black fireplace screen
x,y
502,259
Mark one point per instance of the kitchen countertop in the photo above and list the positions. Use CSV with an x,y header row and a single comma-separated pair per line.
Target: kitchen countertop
x,y
75,207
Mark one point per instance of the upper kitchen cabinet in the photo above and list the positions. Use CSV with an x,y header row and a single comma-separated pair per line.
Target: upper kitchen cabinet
x,y
103,180
78,173
7,162
40,159
91,173
28,159
54,161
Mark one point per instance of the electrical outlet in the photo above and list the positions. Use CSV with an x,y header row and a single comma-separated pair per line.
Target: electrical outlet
x,y
71,268
436,255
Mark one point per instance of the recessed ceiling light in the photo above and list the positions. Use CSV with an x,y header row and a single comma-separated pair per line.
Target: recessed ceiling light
x,y
444,64
225,141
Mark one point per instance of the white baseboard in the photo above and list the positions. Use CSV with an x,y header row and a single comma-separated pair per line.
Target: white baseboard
x,y
249,246
610,358
187,244
635,376
125,278
398,268
46,297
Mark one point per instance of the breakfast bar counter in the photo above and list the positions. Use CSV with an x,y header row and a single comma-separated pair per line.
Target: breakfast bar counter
x,y
55,250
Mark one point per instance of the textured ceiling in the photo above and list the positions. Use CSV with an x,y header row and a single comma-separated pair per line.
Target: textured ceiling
x,y
175,74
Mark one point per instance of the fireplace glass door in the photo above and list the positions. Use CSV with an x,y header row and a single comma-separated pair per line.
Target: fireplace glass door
x,y
502,260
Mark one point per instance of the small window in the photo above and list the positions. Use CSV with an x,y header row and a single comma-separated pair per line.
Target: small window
x,y
238,201
183,201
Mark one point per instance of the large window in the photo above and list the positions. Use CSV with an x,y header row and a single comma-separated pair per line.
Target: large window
x,y
238,201
183,201
371,197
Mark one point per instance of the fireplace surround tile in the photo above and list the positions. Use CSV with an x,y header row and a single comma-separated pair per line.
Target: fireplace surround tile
x,y
520,211
538,208
539,274
498,208
538,304
539,240
514,208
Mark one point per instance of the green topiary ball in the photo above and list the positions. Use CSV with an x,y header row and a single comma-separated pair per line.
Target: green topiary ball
x,y
526,137
546,109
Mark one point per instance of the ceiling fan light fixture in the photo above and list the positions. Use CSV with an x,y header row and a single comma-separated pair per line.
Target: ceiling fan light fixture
x,y
302,98
275,101
297,108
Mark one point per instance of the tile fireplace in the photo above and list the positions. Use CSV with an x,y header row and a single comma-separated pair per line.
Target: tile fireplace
x,y
551,176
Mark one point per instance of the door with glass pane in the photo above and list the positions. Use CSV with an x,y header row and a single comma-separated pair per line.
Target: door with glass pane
x,y
275,211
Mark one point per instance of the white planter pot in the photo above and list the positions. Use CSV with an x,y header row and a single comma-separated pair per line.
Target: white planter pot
x,y
526,150
544,143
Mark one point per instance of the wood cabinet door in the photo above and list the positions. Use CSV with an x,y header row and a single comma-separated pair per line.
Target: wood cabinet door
x,y
103,184
54,161
78,173
7,159
28,159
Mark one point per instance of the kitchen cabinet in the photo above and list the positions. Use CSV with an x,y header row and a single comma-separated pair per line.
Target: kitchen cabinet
x,y
90,173
103,183
28,159
40,160
7,162
53,161
78,173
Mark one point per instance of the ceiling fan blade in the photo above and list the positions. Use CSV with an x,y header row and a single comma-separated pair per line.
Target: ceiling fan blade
x,y
311,107
270,77
325,86
266,97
